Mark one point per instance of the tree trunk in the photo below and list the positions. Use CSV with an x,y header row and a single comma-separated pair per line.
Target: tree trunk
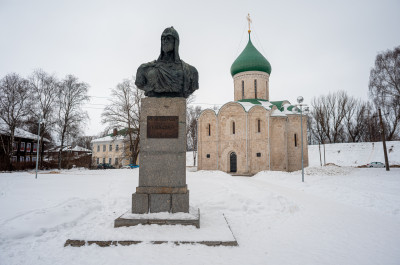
x,y
11,148
60,151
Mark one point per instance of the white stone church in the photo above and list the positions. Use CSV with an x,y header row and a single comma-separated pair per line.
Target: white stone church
x,y
251,133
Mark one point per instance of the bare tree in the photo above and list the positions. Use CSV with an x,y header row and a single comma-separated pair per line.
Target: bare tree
x,y
384,88
124,112
84,141
71,97
356,120
328,113
44,89
372,134
192,116
14,92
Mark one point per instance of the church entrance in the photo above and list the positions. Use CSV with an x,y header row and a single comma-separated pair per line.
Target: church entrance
x,y
233,162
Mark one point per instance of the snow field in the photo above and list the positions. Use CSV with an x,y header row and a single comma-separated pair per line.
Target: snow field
x,y
339,215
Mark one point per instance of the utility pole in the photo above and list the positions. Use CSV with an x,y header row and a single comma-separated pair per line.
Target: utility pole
x,y
319,148
38,146
383,140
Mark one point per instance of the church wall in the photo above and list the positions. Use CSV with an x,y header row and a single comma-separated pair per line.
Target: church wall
x,y
278,141
207,143
232,142
258,140
294,152
249,91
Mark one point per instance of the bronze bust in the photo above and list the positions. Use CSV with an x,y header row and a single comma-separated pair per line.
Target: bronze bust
x,y
168,76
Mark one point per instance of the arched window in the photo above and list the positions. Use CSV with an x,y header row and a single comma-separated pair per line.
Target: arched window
x,y
209,129
258,125
233,127
295,139
255,88
242,89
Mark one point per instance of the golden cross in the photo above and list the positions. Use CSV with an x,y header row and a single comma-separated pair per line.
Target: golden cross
x,y
249,21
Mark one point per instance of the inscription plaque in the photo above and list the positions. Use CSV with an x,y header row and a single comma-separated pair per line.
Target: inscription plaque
x,y
162,126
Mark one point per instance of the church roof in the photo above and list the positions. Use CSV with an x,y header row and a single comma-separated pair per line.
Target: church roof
x,y
250,60
283,106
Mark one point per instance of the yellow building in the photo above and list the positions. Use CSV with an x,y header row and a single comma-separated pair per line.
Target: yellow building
x,y
113,149
251,133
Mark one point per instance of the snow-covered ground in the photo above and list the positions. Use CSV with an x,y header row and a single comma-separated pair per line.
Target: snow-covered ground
x,y
354,154
346,154
339,215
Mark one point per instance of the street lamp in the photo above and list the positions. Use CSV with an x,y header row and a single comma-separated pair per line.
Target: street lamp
x,y
300,100
38,146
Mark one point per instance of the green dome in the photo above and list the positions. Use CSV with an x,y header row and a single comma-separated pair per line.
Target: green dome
x,y
250,60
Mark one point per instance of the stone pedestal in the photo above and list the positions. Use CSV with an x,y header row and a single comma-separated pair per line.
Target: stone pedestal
x,y
162,172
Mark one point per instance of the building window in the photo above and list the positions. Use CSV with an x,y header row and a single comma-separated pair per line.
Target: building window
x,y
208,155
116,160
258,125
295,139
104,160
28,159
28,147
255,88
22,147
209,129
110,160
242,89
104,147
21,159
258,154
233,127
14,159
110,148
98,148
97,160
14,146
116,147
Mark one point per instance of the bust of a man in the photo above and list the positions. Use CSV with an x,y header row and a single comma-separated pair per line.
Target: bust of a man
x,y
168,76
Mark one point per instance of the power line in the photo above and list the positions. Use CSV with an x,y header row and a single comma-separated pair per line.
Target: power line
x,y
237,51
98,97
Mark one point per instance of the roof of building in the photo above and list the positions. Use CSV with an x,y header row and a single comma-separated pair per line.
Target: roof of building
x,y
69,148
283,107
250,60
108,139
121,134
19,133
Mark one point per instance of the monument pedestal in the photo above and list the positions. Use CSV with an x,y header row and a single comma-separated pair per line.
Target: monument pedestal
x,y
162,172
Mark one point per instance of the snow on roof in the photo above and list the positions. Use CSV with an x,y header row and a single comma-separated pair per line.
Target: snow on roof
x,y
20,133
246,105
277,113
108,139
290,109
282,110
80,149
69,148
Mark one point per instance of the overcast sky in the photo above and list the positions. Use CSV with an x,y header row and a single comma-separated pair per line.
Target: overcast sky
x,y
314,47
